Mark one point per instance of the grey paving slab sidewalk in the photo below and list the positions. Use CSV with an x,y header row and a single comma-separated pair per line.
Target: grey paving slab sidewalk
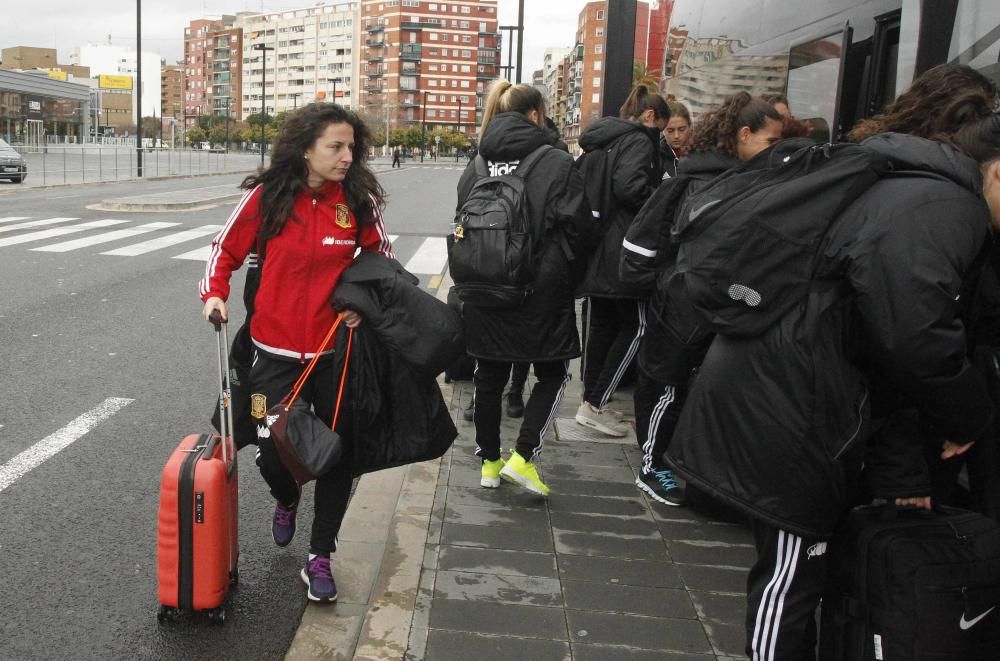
x,y
595,571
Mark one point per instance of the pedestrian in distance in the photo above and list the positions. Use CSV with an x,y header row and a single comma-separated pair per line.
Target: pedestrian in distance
x,y
395,158
673,345
310,209
541,329
779,425
621,166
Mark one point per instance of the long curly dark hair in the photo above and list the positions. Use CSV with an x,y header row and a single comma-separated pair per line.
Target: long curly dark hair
x,y
936,106
720,129
286,176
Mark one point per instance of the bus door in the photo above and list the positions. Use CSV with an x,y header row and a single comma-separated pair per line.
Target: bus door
x,y
816,81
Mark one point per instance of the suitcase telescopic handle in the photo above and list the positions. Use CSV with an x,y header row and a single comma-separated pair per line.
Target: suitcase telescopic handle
x,y
225,389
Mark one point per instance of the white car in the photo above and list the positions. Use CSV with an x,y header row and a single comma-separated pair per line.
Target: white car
x,y
13,166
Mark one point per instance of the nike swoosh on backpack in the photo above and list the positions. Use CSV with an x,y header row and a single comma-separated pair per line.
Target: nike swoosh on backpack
x,y
965,624
697,212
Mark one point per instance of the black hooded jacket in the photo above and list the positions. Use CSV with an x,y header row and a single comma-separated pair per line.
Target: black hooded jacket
x,y
634,168
775,425
543,328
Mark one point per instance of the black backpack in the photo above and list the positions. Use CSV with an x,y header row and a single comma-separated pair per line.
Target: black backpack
x,y
748,241
494,250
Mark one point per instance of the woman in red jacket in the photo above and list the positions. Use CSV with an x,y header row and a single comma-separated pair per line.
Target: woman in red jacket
x,y
308,211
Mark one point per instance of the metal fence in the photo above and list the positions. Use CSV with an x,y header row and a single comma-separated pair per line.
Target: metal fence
x,y
77,164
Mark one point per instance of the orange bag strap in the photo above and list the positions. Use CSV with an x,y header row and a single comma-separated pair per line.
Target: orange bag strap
x,y
343,377
301,381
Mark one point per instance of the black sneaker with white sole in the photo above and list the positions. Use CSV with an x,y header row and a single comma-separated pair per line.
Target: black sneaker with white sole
x,y
661,487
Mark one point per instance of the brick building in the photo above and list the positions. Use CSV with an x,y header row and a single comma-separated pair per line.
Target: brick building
x,y
438,56
172,90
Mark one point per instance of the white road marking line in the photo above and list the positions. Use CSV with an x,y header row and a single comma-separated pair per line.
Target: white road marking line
x,y
430,257
76,244
200,255
54,443
164,241
35,223
11,219
58,231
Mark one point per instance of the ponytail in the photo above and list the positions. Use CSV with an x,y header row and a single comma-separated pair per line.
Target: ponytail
x,y
720,129
981,140
507,97
640,100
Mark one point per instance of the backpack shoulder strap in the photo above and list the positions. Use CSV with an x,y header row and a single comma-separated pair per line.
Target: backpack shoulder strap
x,y
480,165
529,161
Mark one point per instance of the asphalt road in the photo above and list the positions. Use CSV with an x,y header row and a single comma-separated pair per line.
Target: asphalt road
x,y
105,352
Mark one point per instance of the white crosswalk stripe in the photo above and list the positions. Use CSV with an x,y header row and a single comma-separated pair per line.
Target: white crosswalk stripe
x,y
58,231
35,223
165,241
107,237
423,256
429,258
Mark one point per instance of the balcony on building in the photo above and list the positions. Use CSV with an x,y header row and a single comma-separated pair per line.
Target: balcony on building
x,y
373,89
378,26
408,86
410,69
374,71
487,72
375,58
409,102
375,43
410,52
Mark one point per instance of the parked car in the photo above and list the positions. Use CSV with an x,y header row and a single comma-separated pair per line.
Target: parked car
x,y
13,166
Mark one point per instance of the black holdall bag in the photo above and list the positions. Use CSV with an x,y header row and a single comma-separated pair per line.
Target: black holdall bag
x,y
306,447
493,251
748,241
908,584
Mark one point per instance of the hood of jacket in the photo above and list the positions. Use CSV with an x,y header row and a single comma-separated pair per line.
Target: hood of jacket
x,y
709,163
606,130
511,136
909,152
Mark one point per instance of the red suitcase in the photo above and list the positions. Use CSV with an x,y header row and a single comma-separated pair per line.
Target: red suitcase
x,y
198,541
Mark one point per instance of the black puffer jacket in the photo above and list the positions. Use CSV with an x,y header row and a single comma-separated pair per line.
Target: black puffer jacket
x,y
673,342
775,425
634,167
544,326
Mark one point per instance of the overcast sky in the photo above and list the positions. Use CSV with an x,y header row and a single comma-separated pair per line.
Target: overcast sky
x,y
63,24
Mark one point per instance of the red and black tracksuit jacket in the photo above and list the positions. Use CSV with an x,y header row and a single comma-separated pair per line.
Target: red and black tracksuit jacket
x,y
304,262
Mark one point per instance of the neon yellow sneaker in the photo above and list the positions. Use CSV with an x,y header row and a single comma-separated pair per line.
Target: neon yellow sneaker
x,y
524,473
491,473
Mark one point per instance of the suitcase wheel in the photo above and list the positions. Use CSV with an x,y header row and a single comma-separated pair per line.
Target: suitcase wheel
x,y
217,616
166,613
234,576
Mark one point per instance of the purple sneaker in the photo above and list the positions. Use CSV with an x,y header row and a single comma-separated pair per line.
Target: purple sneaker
x,y
283,525
319,578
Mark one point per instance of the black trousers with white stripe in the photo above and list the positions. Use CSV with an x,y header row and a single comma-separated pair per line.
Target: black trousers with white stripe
x,y
539,411
783,591
657,410
615,329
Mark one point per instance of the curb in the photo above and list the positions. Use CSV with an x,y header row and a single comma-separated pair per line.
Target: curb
x,y
112,205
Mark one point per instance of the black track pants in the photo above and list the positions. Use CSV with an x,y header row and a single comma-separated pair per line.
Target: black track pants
x,y
783,591
274,378
539,411
615,330
657,410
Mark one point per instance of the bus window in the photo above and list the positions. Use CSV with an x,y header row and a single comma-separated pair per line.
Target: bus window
x,y
814,69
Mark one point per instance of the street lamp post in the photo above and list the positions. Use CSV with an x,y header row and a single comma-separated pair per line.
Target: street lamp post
x,y
263,48
459,126
295,99
334,81
423,128
138,84
228,100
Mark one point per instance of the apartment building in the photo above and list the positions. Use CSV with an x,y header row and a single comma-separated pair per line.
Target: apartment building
x,y
429,62
172,90
312,55
552,77
578,97
198,47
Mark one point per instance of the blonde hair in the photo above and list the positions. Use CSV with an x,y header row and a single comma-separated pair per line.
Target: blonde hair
x,y
506,97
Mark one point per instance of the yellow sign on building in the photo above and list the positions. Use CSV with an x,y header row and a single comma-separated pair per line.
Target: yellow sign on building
x,y
57,75
114,82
